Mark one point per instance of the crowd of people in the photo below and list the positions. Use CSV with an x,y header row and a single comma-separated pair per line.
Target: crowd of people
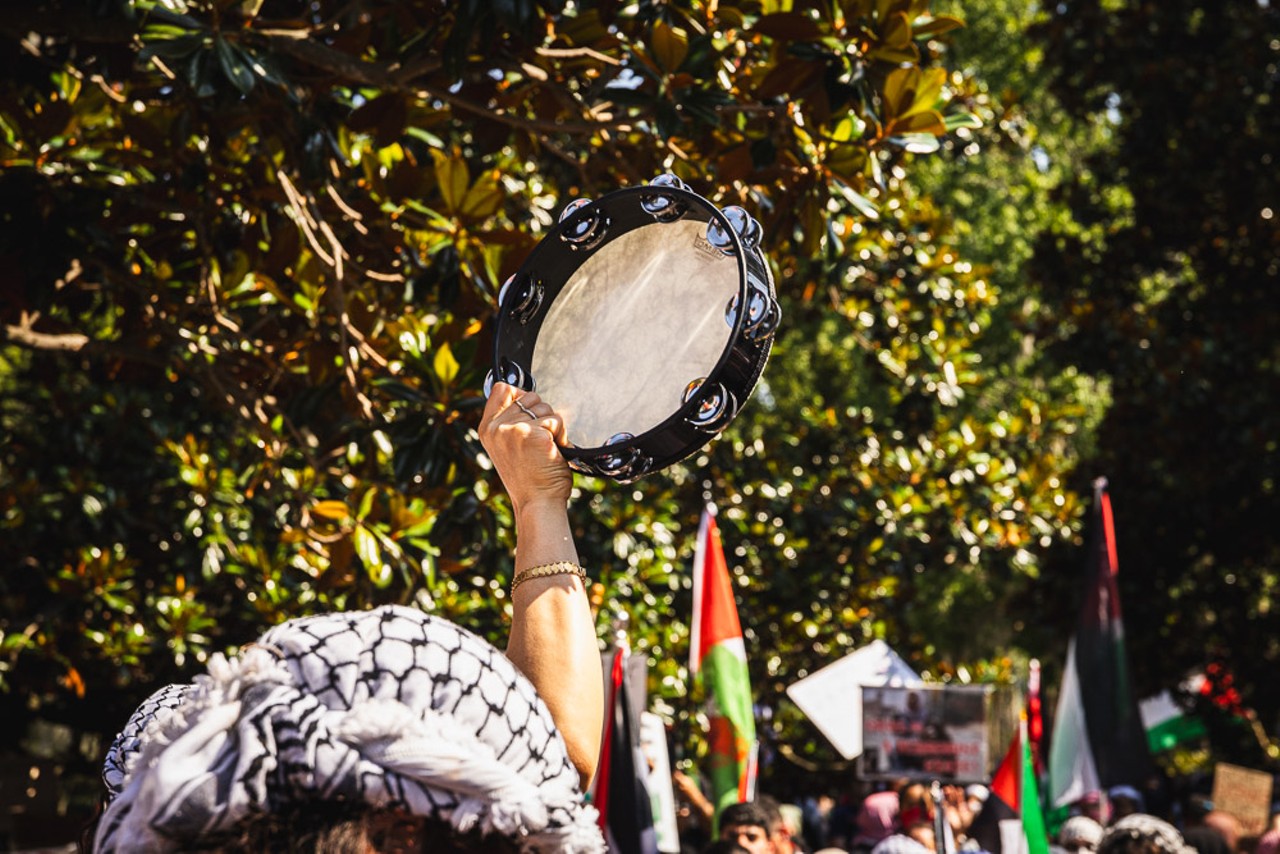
x,y
902,819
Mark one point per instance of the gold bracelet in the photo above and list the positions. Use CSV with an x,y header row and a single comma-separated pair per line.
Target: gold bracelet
x,y
560,567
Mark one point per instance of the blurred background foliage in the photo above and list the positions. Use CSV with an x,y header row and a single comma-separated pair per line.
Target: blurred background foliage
x,y
251,249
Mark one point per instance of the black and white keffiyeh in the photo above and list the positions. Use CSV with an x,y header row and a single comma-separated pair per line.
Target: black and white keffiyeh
x,y
391,707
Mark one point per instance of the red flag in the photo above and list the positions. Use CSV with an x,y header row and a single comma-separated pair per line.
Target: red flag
x,y
1011,813
626,814
717,652
1035,721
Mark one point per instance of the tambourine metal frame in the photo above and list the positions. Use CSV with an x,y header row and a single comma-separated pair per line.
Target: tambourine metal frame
x,y
709,403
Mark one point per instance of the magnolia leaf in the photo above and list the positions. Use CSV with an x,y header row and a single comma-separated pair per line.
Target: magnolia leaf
x,y
484,197
789,26
929,121
367,549
235,66
446,366
335,510
917,143
955,121
453,177
936,26
896,32
670,45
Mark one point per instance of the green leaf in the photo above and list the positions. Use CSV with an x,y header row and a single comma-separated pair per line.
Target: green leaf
x,y
369,552
955,121
670,46
446,366
917,143
235,66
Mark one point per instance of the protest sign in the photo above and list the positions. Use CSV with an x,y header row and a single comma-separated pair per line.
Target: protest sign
x,y
1243,793
933,732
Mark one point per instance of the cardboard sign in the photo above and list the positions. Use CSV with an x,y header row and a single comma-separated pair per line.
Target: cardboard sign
x,y
1243,793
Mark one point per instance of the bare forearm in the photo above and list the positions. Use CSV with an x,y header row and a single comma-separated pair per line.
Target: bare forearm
x,y
553,637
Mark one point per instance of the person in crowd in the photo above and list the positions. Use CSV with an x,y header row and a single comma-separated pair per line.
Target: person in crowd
x,y
693,811
1125,800
975,795
1080,834
1227,825
1269,841
724,846
1140,833
904,842
757,826
876,820
1206,839
389,729
922,832
792,816
1093,806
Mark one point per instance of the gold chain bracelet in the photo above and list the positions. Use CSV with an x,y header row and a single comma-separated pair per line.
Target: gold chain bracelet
x,y
560,567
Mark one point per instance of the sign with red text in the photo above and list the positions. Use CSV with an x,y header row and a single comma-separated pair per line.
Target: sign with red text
x,y
933,732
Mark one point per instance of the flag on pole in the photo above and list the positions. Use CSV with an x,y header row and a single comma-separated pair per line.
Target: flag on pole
x,y
620,796
1098,738
1035,720
718,655
1010,821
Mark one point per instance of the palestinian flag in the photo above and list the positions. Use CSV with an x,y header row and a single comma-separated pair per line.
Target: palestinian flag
x,y
718,655
1010,821
1167,723
620,796
1098,738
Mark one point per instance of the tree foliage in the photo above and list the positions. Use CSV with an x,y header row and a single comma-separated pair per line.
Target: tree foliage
x,y
250,254
1156,282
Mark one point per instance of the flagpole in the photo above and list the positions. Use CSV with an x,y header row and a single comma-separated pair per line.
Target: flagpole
x,y
939,819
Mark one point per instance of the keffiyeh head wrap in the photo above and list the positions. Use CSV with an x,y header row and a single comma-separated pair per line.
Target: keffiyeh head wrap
x,y
391,707
1146,831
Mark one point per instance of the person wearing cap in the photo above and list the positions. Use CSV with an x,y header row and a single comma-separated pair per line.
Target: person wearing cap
x,y
389,729
1125,800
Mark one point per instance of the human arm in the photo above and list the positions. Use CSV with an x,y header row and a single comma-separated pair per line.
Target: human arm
x,y
553,636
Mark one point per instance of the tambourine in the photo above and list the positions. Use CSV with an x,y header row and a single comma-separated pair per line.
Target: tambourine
x,y
644,318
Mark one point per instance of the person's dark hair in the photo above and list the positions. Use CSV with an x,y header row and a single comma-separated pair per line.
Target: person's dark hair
x,y
338,827
754,813
723,846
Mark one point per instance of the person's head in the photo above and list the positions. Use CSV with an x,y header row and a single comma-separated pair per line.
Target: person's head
x,y
1227,825
724,846
1091,805
922,832
755,825
976,795
379,730
1080,834
1142,834
1125,800
876,818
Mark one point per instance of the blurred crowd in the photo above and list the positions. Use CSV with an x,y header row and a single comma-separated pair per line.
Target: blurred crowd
x,y
902,819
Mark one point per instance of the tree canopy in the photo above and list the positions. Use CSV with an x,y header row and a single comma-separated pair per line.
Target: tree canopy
x,y
251,251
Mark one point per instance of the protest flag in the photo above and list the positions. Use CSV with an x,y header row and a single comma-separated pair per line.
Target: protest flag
x,y
1098,738
620,797
1035,720
1010,821
718,655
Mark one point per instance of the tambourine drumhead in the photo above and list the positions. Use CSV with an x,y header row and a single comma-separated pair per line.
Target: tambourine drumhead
x,y
645,319
631,328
